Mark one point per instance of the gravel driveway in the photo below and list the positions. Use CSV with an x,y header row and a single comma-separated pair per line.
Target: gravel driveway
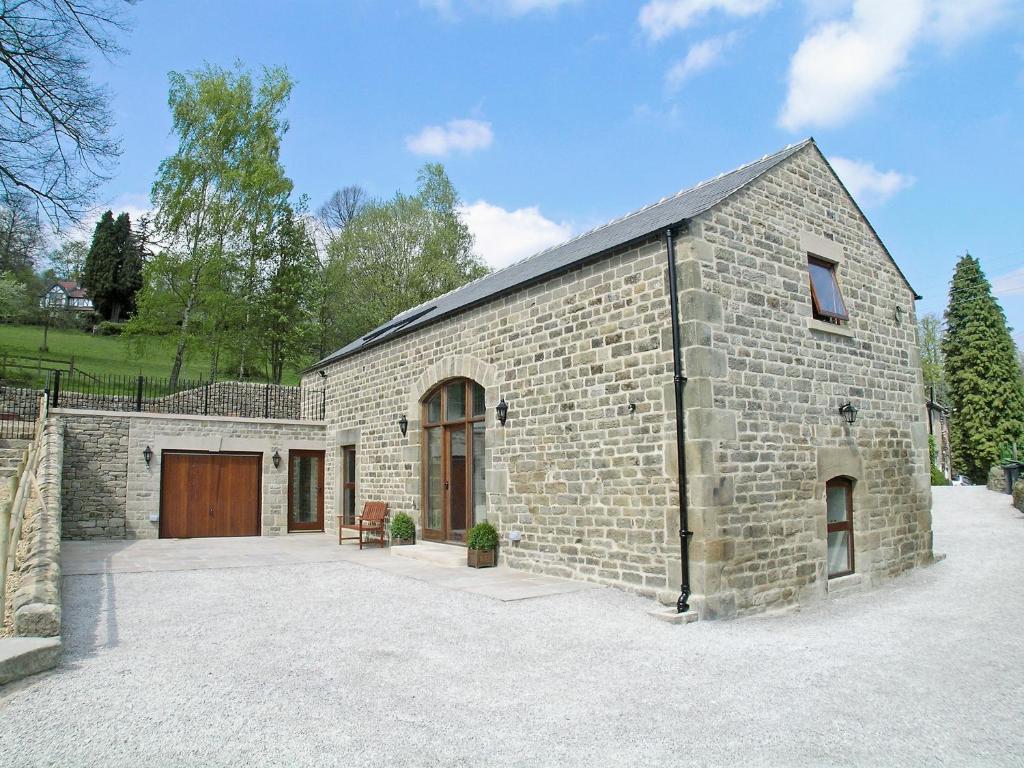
x,y
336,664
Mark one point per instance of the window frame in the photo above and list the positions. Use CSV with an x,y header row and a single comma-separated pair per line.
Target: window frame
x,y
843,525
348,482
826,315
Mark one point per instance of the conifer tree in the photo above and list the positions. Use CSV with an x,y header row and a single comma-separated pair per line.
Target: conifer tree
x,y
113,268
986,390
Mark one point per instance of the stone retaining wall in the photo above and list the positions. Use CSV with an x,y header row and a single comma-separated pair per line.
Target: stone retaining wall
x,y
36,603
1018,495
997,479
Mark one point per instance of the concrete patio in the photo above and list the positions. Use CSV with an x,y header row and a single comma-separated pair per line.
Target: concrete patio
x,y
436,564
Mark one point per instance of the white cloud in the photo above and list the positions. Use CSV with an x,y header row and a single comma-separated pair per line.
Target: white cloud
x,y
859,49
504,237
700,57
455,136
954,21
451,8
660,18
868,184
841,65
1010,284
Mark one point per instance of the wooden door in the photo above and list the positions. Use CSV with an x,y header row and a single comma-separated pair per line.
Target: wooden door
x,y
305,491
204,494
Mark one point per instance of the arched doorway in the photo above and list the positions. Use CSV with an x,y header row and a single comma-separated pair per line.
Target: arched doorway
x,y
454,490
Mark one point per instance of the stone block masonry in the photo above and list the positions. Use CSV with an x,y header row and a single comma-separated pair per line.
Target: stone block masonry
x,y
589,483
110,492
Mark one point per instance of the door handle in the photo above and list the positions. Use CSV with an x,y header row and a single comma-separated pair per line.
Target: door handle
x,y
446,485
211,510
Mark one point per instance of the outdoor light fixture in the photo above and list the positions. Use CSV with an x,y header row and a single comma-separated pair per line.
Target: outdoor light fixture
x,y
632,407
276,458
322,374
147,454
848,412
899,315
502,410
403,424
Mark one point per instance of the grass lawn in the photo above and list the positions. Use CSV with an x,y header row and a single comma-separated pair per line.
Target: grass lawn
x,y
96,355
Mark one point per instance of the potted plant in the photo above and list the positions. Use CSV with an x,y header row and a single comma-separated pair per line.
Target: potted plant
x,y
482,546
403,530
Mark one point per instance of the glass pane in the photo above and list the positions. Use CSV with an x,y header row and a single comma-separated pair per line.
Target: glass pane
x,y
350,504
457,484
350,466
479,480
478,400
830,302
434,408
305,488
456,401
435,494
838,552
835,498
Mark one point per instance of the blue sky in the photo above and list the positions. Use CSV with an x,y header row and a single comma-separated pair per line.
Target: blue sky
x,y
553,116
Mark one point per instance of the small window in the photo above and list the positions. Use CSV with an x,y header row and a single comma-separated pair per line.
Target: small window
x,y
434,408
839,505
826,299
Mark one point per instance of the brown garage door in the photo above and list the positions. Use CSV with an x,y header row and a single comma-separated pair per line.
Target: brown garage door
x,y
209,494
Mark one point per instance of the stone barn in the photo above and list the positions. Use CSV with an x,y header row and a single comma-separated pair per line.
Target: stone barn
x,y
805,444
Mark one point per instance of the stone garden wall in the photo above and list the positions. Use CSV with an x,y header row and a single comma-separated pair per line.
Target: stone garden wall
x,y
110,492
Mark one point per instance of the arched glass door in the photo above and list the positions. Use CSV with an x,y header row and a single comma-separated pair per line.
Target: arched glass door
x,y
454,484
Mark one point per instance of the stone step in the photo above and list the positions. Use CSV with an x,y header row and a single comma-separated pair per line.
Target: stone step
x,y
444,555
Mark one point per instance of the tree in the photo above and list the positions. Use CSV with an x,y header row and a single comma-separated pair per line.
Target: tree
x,y
341,208
21,236
54,121
113,267
286,306
67,260
214,198
929,341
12,297
399,253
986,391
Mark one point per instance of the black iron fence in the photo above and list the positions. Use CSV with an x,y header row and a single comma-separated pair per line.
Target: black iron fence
x,y
19,409
144,394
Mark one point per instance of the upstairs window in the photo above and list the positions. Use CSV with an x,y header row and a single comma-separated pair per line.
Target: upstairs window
x,y
826,298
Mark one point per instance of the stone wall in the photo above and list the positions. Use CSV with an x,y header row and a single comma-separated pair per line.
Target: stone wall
x,y
95,476
110,492
766,382
996,479
583,478
36,604
1018,495
591,485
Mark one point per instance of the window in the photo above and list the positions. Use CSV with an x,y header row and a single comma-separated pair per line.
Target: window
x,y
826,299
839,506
348,484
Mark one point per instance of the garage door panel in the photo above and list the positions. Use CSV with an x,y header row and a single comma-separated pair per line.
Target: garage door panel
x,y
206,495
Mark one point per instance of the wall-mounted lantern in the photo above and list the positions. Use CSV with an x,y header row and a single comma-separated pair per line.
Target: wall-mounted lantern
x,y
403,424
147,454
899,315
502,410
276,458
631,407
848,412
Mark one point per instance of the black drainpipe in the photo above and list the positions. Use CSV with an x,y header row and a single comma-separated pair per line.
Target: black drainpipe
x,y
680,382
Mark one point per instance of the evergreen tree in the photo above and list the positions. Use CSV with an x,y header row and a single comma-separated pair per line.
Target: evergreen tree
x,y
100,264
986,390
113,267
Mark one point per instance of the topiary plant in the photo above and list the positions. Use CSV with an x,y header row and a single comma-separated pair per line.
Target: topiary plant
x,y
402,527
482,536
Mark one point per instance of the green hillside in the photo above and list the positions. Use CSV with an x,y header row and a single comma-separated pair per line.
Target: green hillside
x,y
97,355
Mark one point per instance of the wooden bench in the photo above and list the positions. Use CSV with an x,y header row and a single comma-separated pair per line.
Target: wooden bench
x,y
373,523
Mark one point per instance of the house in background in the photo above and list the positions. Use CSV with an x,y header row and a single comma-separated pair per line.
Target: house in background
x,y
66,294
541,398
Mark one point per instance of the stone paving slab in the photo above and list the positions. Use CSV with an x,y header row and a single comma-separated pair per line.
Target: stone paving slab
x,y
79,558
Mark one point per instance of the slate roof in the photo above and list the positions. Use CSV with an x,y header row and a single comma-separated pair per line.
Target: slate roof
x,y
665,213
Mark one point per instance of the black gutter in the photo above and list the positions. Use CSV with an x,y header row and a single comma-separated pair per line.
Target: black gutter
x,y
679,381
